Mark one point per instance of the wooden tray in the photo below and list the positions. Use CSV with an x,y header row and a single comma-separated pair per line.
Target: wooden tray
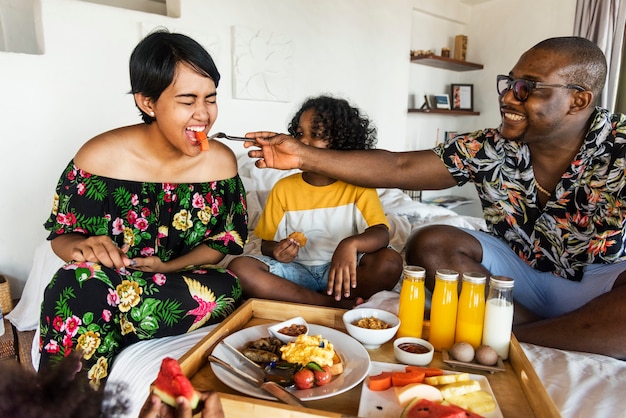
x,y
518,390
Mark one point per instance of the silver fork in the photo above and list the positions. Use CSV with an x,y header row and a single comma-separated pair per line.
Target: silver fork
x,y
232,138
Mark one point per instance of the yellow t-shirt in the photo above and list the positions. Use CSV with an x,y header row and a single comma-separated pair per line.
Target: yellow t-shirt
x,y
325,214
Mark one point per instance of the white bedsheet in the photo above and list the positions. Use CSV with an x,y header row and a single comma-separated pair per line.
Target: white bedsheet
x,y
581,384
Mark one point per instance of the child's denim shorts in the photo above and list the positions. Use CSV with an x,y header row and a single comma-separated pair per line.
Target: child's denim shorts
x,y
311,277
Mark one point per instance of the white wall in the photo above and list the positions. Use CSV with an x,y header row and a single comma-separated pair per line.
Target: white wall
x,y
52,103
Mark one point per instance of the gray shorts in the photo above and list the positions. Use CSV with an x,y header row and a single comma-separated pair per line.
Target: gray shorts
x,y
544,293
311,277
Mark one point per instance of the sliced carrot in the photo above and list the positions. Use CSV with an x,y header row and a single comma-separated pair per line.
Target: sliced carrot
x,y
405,378
428,371
204,143
381,381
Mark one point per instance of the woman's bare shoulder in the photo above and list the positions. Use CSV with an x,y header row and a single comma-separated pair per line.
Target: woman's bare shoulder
x,y
102,153
223,161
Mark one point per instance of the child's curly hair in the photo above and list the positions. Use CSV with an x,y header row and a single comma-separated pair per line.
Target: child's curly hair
x,y
339,123
59,392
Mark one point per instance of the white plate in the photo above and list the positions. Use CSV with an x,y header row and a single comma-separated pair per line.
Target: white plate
x,y
355,359
383,404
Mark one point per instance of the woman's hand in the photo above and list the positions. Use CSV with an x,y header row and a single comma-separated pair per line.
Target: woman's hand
x,y
151,264
97,249
209,401
279,151
199,256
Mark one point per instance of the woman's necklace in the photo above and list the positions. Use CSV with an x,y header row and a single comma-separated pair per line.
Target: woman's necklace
x,y
542,189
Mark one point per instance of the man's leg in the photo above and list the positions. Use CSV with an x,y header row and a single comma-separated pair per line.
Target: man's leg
x,y
380,270
597,327
443,246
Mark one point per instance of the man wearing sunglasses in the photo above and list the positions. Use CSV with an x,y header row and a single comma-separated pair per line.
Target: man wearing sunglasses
x,y
552,183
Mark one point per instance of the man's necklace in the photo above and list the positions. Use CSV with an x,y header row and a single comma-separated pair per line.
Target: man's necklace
x,y
542,189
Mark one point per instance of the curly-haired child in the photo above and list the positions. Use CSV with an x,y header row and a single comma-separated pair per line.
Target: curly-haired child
x,y
345,257
56,392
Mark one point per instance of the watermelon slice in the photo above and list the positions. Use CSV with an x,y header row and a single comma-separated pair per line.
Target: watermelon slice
x,y
172,383
204,143
423,408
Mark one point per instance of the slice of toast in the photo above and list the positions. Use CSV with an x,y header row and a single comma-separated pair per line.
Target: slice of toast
x,y
337,367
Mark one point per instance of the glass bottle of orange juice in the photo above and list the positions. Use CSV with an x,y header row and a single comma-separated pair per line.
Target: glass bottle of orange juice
x,y
412,300
443,309
471,313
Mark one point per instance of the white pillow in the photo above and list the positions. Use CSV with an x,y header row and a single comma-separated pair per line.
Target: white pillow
x,y
25,315
261,178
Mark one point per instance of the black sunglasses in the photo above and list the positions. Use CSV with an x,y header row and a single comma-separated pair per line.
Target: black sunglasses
x,y
522,88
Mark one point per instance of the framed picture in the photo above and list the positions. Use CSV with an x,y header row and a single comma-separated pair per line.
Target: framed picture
x,y
462,96
442,101
428,102
450,135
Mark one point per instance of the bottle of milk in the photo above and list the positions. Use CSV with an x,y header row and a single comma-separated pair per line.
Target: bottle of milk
x,y
499,315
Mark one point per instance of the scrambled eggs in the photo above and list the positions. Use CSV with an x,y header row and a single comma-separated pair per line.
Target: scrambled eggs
x,y
307,348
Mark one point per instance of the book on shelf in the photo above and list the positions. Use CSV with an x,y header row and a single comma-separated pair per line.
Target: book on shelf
x,y
448,201
460,47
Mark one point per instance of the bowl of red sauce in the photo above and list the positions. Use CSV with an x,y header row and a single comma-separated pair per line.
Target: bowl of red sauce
x,y
288,331
413,351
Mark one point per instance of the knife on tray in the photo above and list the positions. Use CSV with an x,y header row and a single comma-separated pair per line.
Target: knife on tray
x,y
272,388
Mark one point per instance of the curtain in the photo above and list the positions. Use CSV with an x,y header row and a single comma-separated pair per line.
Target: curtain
x,y
603,22
620,102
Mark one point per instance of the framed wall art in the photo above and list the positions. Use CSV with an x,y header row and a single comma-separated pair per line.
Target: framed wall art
x,y
462,96
442,101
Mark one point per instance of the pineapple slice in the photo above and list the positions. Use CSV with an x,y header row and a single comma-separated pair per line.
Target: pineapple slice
x,y
459,388
446,378
478,402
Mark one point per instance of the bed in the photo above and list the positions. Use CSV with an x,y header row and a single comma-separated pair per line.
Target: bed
x,y
581,384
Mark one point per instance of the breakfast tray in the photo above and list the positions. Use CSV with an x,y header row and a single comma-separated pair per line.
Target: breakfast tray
x,y
517,389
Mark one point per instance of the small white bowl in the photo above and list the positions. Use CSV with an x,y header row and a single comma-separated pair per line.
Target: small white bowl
x,y
415,359
284,337
371,338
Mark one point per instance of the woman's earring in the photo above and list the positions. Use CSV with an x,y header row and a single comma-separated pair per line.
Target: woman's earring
x,y
152,114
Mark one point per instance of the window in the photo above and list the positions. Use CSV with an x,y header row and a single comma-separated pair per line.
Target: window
x,y
20,26
169,8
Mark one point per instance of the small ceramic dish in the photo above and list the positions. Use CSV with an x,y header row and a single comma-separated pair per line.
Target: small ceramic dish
x,y
371,338
413,351
287,331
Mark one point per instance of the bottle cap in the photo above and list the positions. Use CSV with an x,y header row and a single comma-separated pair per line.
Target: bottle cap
x,y
501,281
414,271
473,277
447,275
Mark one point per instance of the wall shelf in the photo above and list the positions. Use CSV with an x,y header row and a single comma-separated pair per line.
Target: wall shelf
x,y
445,112
436,61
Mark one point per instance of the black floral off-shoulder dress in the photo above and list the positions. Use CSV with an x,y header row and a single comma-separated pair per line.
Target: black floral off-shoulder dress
x,y
100,310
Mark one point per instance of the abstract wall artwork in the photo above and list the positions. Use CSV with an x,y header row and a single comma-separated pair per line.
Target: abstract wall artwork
x,y
262,65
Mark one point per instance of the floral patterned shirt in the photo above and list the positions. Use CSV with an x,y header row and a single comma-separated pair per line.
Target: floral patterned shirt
x,y
162,219
584,220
